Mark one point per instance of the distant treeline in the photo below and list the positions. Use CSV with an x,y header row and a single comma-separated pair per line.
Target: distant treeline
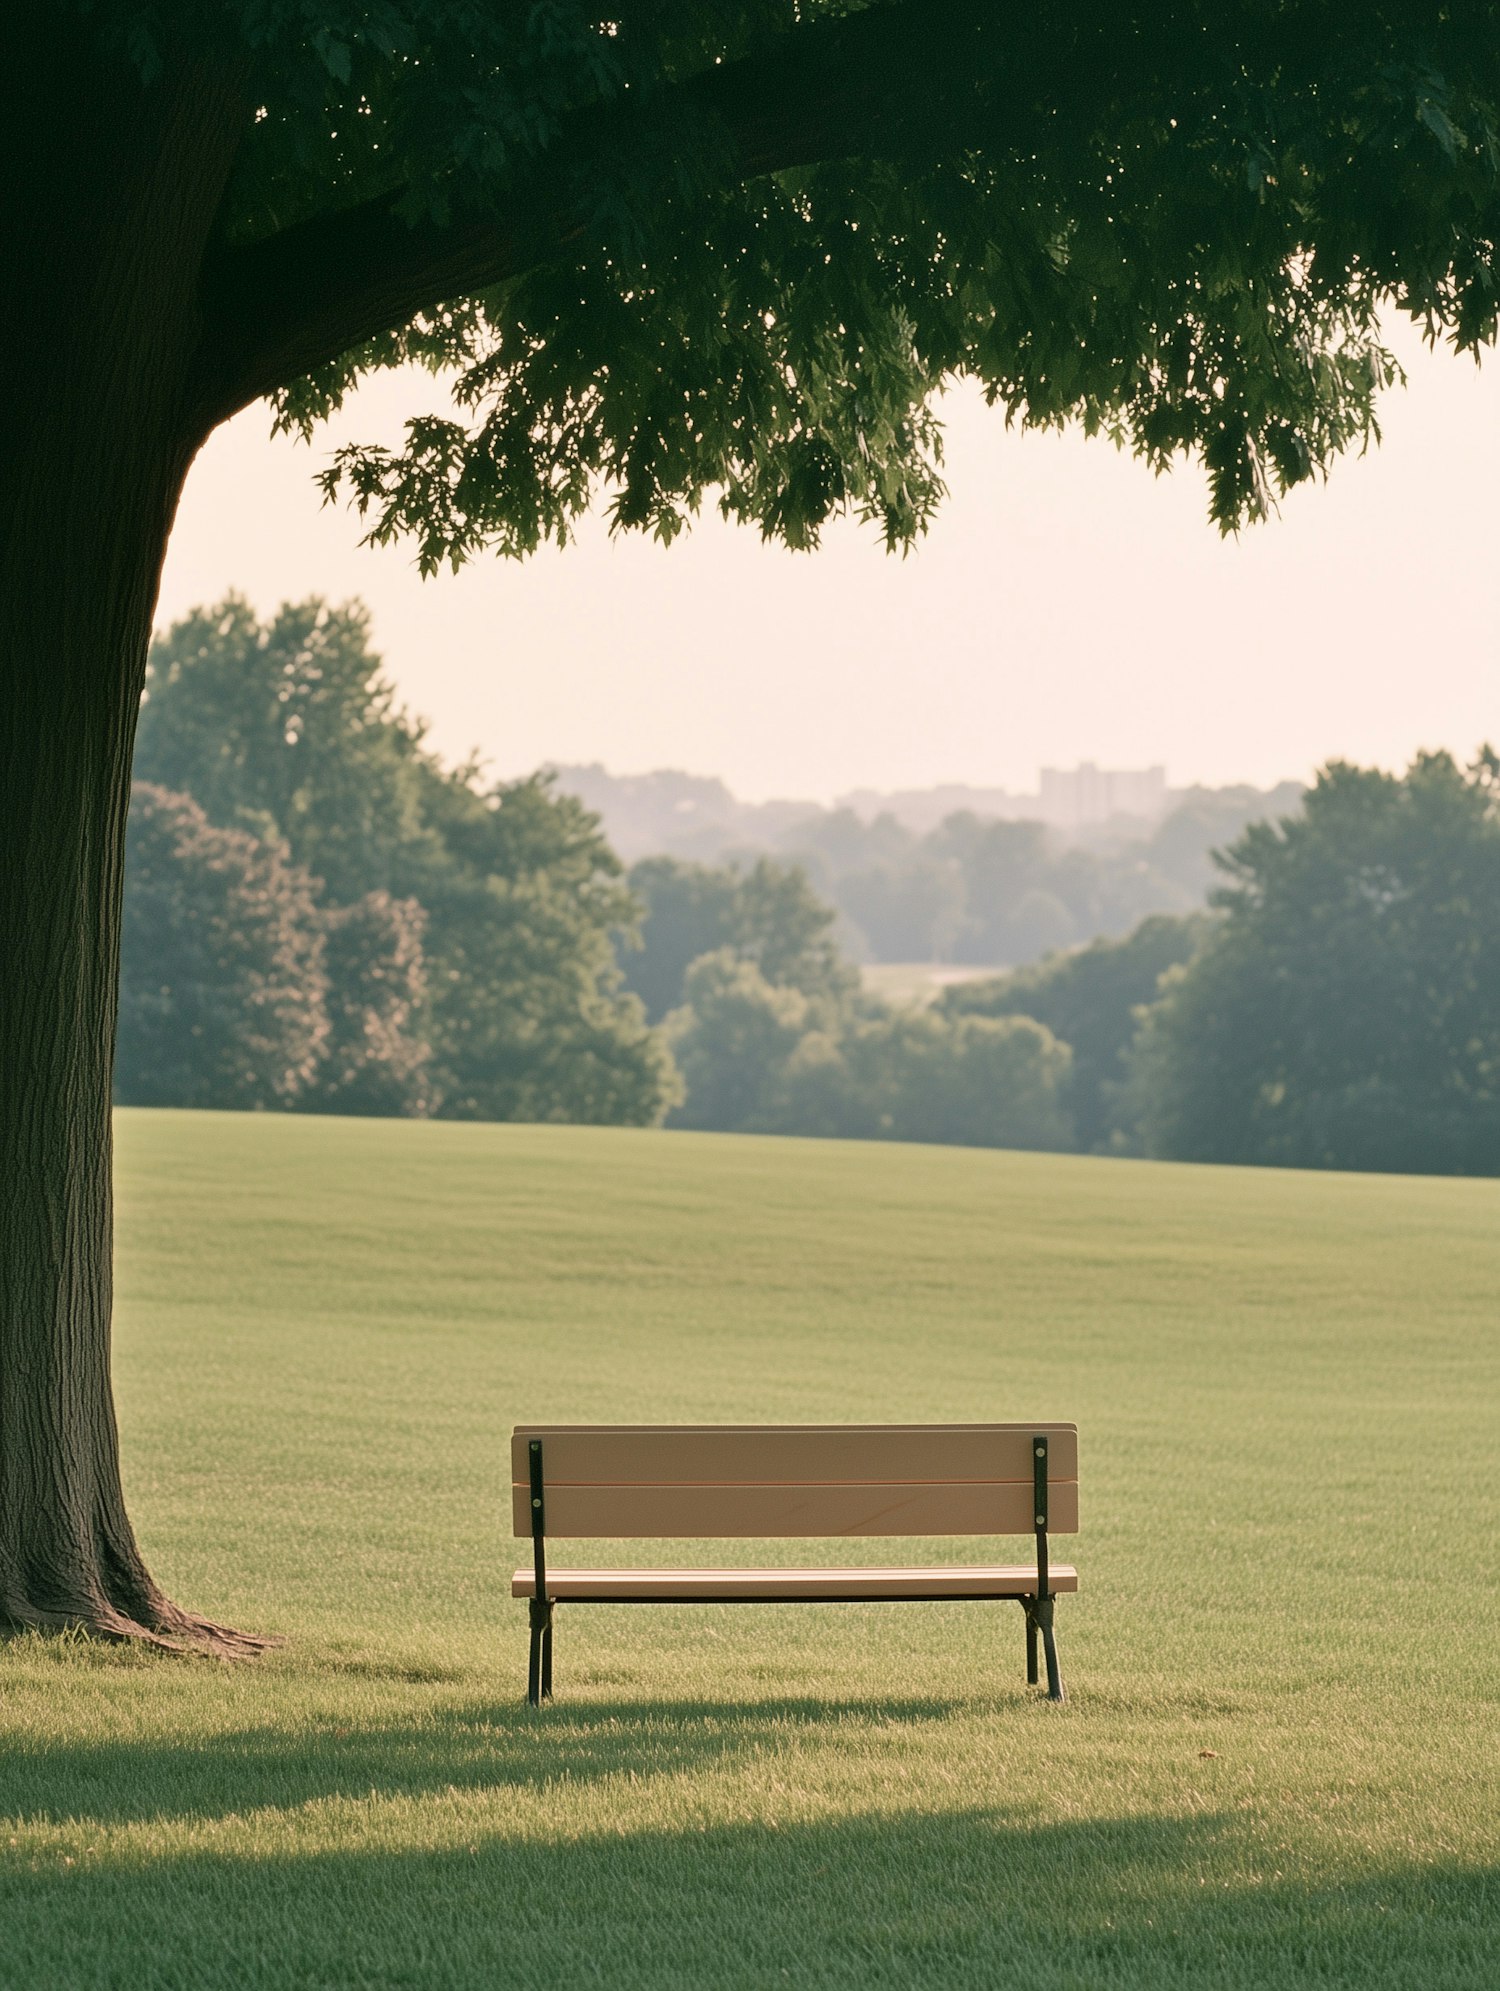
x,y
320,916
975,889
1337,1005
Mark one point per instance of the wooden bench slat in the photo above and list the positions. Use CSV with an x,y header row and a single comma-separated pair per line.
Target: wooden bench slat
x,y
691,1512
793,1455
790,1585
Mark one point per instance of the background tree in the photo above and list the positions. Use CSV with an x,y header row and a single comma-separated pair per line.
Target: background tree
x,y
290,721
993,1082
915,1075
767,915
1346,1011
1090,1000
222,985
378,1058
668,251
687,910
908,909
732,1039
782,925
766,1059
473,974
529,1021
1206,820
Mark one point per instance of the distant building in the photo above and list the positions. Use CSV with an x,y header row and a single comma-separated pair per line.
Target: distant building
x,y
1074,798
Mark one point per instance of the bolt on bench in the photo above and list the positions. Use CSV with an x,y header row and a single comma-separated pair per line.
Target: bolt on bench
x,y
673,1481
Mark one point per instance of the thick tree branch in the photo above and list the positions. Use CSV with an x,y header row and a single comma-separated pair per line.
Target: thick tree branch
x,y
871,84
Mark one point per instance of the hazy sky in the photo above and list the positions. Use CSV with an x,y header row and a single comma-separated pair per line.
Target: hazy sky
x,y
1066,606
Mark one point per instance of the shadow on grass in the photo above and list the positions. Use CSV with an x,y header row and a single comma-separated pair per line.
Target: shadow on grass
x,y
480,1746
959,1899
473,1846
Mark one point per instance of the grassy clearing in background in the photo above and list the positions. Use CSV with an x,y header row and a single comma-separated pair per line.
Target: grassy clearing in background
x,y
916,982
1277,1766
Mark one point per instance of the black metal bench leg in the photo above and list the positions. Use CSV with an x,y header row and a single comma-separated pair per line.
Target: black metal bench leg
x,y
1039,1620
534,1669
1054,1671
539,1670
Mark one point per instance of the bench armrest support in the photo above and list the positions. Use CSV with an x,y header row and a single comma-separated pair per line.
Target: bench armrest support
x,y
1039,1493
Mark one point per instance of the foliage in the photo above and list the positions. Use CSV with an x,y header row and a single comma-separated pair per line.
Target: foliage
x,y
469,927
1090,1000
733,1039
761,1059
767,914
909,907
378,1059
1346,1011
1205,820
529,1021
738,247
687,910
289,722
909,1075
1180,247
987,891
666,813
782,925
972,890
222,977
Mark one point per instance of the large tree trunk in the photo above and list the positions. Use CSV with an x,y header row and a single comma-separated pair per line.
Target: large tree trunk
x,y
97,429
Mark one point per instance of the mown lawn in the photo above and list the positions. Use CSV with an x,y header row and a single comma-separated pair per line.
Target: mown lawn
x,y
1279,1762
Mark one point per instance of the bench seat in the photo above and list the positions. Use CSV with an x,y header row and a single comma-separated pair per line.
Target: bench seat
x,y
769,1586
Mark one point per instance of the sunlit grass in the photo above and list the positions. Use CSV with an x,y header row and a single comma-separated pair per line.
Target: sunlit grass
x,y
1278,1762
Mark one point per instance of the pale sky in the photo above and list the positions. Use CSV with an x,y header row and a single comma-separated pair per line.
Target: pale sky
x,y
1066,606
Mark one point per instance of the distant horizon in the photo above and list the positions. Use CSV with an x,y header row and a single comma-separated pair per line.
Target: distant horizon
x,y
845,797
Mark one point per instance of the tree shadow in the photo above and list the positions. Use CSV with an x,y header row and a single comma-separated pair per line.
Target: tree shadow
x,y
975,1898
477,1746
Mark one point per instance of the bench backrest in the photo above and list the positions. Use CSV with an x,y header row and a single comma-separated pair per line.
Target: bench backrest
x,y
636,1480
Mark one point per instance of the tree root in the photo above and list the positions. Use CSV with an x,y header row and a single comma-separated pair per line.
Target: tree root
x,y
88,1578
161,1626
184,1632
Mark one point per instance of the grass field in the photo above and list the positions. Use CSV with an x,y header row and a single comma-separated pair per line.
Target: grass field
x,y
1278,1764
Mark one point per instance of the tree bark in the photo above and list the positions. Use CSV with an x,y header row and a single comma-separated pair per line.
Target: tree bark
x,y
96,435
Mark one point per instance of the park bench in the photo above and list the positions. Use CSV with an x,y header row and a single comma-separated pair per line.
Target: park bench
x,y
720,1481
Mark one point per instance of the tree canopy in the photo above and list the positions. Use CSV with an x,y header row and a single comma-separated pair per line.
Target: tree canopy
x,y
671,250
1346,1012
